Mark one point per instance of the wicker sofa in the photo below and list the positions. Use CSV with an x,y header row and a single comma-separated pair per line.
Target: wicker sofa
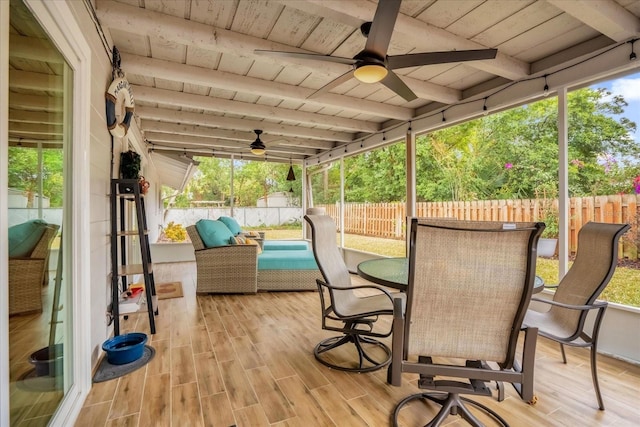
x,y
28,273
240,269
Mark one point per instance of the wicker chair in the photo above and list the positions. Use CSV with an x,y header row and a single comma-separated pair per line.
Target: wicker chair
x,y
575,297
469,288
225,269
352,315
27,275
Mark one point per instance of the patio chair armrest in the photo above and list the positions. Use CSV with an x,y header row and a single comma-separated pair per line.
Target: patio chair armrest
x,y
345,288
228,249
595,305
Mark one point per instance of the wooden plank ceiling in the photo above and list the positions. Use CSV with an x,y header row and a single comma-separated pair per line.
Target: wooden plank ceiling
x,y
200,87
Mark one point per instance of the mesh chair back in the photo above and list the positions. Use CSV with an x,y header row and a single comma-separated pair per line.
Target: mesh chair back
x,y
330,261
596,259
469,286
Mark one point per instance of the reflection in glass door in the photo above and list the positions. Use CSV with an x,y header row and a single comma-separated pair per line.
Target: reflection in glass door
x,y
38,164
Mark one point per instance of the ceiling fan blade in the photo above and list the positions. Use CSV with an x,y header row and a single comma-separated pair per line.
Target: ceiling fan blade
x,y
302,55
393,82
382,27
429,58
333,83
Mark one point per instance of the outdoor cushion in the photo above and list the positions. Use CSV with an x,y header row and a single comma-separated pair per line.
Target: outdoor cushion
x,y
24,237
285,245
213,233
287,260
231,224
243,240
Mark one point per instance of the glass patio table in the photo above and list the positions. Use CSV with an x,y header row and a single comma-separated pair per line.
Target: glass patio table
x,y
394,273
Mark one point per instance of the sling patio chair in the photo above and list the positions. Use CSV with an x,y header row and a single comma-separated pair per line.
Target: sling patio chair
x,y
469,288
352,314
565,321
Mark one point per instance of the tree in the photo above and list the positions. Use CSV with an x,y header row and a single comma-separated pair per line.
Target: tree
x,y
511,154
23,173
252,180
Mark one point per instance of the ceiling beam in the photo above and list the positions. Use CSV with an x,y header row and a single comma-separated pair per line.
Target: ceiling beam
x,y
137,20
604,16
41,117
210,120
158,68
154,24
227,154
35,129
169,97
234,135
36,102
34,49
19,79
420,33
241,147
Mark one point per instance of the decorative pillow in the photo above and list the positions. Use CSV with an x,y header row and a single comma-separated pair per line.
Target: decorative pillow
x,y
241,240
24,237
237,240
231,224
213,233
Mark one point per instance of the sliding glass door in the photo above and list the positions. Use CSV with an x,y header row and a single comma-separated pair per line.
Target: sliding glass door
x,y
38,217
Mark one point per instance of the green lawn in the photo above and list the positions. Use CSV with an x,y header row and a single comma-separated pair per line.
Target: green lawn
x,y
624,287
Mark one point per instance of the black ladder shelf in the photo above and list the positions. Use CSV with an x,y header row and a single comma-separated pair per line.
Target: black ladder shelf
x,y
123,191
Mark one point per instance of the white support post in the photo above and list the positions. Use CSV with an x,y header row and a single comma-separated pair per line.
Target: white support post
x,y
563,183
4,223
341,213
411,181
231,193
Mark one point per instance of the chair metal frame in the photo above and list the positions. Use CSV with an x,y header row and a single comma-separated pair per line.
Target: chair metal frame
x,y
446,392
358,327
578,337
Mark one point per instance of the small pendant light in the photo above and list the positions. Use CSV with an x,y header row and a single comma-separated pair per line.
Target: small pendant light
x,y
291,176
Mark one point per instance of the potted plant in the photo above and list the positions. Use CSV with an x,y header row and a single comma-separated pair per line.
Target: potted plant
x,y
549,239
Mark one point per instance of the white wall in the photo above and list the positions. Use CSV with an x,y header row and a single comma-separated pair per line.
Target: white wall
x,y
246,217
99,181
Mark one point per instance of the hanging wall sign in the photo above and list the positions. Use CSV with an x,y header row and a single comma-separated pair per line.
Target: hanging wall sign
x,y
120,107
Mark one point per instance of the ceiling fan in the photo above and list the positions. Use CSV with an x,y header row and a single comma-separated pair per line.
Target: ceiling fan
x,y
373,65
257,147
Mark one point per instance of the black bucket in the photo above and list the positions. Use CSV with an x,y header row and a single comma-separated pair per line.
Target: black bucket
x,y
47,361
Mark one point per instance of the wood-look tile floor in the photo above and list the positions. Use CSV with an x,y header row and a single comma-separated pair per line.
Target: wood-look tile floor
x,y
247,360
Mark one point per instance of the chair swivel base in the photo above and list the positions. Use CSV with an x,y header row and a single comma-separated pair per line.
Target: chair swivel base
x,y
366,362
453,404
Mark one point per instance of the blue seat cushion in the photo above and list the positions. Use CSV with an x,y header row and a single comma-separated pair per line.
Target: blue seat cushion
x,y
287,260
285,245
24,237
213,233
231,224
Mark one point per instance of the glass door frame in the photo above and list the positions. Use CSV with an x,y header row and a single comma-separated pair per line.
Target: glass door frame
x,y
59,22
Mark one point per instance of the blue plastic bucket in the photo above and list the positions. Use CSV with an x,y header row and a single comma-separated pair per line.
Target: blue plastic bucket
x,y
125,348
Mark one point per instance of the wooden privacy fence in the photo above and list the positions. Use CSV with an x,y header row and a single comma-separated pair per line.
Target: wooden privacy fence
x,y
388,220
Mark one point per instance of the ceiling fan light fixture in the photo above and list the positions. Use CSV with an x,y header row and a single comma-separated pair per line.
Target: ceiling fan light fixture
x,y
257,146
370,73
